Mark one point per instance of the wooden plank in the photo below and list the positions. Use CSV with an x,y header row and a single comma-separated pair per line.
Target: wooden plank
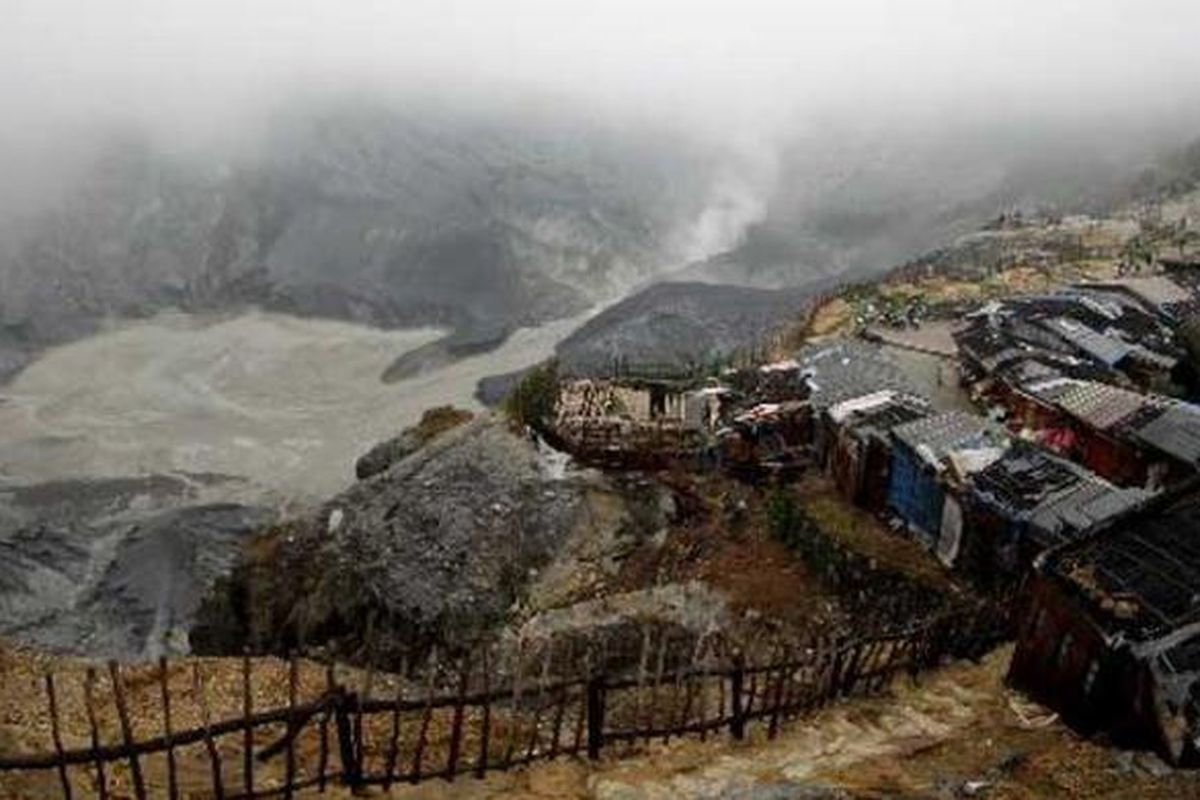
x,y
323,745
702,690
777,699
155,744
56,736
248,731
737,720
200,696
456,725
560,710
721,698
510,743
426,717
347,750
361,700
290,756
595,716
543,679
135,767
165,691
676,690
89,703
393,751
639,697
485,732
658,671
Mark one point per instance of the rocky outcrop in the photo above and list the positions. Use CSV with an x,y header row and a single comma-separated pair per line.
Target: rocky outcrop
x,y
437,549
684,326
383,455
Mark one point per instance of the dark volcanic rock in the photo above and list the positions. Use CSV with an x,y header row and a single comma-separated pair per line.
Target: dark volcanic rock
x,y
492,390
112,567
447,350
684,325
433,422
384,454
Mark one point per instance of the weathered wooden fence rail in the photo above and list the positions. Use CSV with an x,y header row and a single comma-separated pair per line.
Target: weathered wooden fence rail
x,y
473,718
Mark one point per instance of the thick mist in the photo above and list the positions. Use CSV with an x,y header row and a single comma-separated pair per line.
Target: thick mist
x,y
755,76
609,144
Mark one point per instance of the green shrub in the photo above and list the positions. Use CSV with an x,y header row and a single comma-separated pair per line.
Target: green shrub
x,y
535,399
783,517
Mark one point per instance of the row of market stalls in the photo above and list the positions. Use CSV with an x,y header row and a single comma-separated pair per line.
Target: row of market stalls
x,y
1108,577
981,500
1110,632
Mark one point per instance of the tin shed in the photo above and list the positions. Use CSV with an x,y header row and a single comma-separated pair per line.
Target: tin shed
x,y
915,487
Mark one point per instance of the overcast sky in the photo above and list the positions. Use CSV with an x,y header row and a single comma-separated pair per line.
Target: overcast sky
x,y
744,64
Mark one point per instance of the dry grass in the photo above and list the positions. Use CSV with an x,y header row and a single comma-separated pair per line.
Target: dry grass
x,y
862,532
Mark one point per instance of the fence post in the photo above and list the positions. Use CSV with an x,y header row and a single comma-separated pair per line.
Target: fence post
x,y
737,721
56,735
214,755
135,768
346,747
94,729
168,734
456,729
292,733
595,716
248,731
323,752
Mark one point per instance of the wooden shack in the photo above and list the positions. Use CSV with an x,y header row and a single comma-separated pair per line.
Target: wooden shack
x,y
1111,633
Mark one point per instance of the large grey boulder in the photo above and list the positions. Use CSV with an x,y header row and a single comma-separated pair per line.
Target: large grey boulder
x,y
438,548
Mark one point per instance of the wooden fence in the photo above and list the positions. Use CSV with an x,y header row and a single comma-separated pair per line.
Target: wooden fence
x,y
472,716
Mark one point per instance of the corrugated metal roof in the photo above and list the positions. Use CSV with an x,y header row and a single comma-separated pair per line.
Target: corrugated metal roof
x,y
1152,559
1100,405
1155,289
934,437
1084,506
1102,347
846,369
1024,478
1175,432
880,420
1050,389
1060,499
